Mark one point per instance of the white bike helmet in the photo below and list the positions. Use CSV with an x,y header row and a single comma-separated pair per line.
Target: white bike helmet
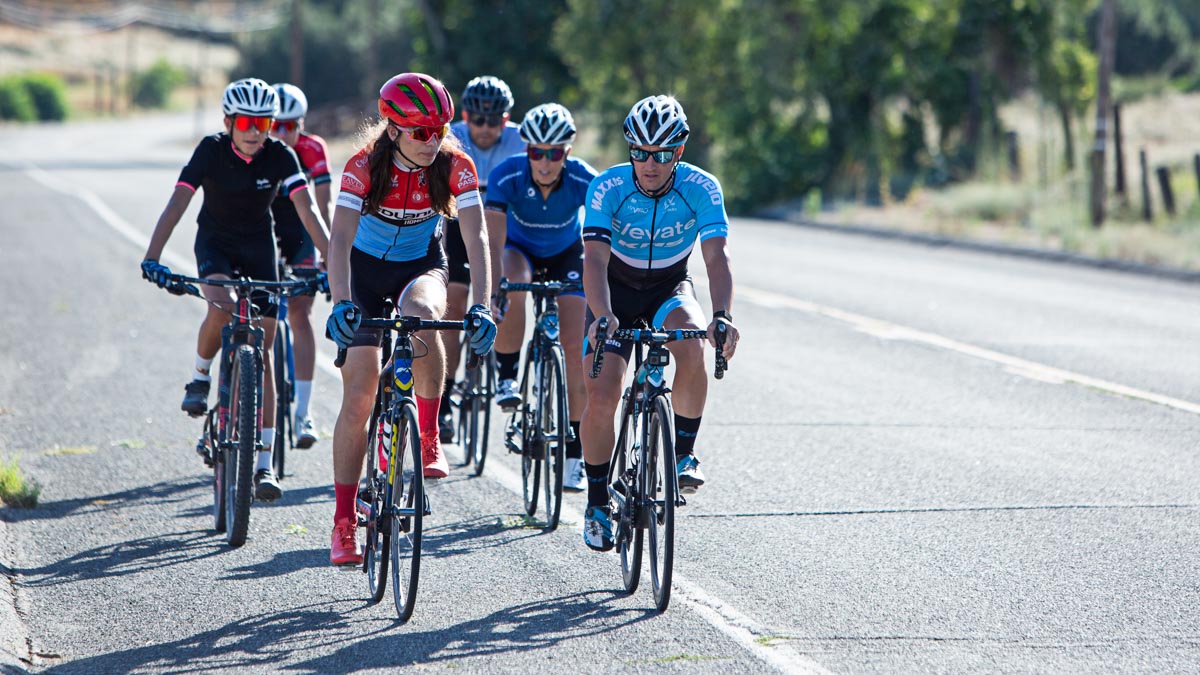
x,y
657,120
549,123
293,104
251,97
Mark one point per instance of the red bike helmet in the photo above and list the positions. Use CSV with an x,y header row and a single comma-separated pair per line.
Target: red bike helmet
x,y
415,100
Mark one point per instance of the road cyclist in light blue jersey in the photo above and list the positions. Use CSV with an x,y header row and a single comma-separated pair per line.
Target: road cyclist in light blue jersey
x,y
534,210
488,137
643,220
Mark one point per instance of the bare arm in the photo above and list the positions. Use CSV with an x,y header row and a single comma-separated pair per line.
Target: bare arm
x,y
323,192
497,229
475,237
341,239
313,222
176,205
720,287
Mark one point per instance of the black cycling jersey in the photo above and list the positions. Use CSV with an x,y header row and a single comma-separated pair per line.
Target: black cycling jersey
x,y
238,190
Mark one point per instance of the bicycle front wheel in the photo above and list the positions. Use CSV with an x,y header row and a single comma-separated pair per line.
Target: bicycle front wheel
x,y
481,411
626,482
661,486
283,398
552,423
371,500
407,509
239,450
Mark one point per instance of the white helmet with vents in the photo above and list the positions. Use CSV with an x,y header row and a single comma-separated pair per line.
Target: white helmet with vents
x,y
251,97
293,104
657,121
549,123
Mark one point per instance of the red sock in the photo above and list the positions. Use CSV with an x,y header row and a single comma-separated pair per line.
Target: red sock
x,y
427,415
344,497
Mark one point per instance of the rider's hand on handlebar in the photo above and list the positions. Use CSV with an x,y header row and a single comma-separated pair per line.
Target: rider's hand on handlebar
x,y
613,325
156,273
481,329
343,323
731,336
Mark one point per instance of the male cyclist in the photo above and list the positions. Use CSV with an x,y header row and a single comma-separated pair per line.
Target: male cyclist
x,y
240,170
488,137
297,247
643,220
541,193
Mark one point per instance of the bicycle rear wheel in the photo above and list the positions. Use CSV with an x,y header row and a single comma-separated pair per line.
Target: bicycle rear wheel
x,y
283,397
552,417
531,452
372,499
239,451
407,509
211,443
660,483
624,476
481,410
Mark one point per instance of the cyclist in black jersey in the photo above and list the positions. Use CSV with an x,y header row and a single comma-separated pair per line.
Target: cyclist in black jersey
x,y
240,170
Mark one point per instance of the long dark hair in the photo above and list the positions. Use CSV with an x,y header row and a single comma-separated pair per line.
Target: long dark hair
x,y
379,162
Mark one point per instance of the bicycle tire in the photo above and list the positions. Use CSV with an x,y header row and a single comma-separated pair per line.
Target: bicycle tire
x,y
531,463
465,390
212,443
628,534
243,416
661,484
283,398
552,416
376,550
483,395
408,493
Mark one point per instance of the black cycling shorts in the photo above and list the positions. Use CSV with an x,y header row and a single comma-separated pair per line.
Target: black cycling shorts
x,y
249,255
456,252
564,266
374,281
651,305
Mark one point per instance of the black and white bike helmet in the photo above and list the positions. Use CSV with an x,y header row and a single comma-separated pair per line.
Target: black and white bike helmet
x,y
549,123
657,121
487,95
293,104
251,97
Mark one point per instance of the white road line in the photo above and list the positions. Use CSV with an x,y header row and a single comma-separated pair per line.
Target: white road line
x,y
743,630
1018,366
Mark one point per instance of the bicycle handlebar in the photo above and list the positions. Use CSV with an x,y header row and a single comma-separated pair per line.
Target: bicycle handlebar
x,y
655,337
409,324
184,285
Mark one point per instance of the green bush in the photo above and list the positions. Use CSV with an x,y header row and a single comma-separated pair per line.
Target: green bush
x,y
49,95
15,102
152,87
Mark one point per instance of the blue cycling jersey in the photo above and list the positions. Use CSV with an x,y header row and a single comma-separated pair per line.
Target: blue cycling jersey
x,y
510,143
652,237
542,226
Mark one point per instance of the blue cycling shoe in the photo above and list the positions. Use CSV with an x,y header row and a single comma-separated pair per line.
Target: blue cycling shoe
x,y
690,476
598,528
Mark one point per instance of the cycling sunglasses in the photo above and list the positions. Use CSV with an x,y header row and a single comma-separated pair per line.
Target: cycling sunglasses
x,y
425,134
489,120
552,154
243,123
285,126
660,156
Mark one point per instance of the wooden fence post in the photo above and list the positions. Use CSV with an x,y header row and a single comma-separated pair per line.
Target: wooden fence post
x,y
1118,145
1147,209
1164,184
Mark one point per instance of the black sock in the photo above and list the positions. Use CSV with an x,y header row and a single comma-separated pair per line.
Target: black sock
x,y
597,475
445,407
508,364
686,429
574,449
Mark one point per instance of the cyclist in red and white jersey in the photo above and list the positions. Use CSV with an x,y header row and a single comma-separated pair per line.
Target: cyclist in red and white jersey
x,y
296,246
386,245
240,170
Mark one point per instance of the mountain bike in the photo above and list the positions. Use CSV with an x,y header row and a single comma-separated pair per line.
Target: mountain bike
x,y
538,430
473,396
643,483
392,503
283,362
231,437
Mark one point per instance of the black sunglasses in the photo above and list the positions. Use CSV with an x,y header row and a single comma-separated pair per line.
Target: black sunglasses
x,y
660,156
553,154
489,120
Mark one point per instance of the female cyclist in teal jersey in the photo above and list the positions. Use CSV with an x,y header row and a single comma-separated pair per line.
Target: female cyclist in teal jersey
x,y
240,170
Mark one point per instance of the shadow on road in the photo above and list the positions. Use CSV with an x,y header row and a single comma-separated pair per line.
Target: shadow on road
x,y
156,495
126,557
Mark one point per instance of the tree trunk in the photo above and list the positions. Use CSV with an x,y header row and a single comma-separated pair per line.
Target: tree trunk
x,y
1108,40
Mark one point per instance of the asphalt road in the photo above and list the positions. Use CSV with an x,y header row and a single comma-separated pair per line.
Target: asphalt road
x,y
922,459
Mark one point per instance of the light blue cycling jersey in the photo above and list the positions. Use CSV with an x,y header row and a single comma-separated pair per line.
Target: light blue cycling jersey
x,y
510,143
543,227
652,237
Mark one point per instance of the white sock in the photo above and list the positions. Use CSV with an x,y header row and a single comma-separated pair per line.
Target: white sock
x,y
264,456
203,369
303,391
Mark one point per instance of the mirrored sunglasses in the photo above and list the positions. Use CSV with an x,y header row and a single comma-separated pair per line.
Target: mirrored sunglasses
x,y
285,126
660,156
425,134
552,154
489,120
243,123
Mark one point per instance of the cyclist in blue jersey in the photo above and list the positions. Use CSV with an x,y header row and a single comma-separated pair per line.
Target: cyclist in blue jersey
x,y
643,220
488,137
534,207
240,170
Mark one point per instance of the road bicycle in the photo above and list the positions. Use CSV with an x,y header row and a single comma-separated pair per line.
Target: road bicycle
x,y
231,436
283,362
392,503
473,396
643,483
538,430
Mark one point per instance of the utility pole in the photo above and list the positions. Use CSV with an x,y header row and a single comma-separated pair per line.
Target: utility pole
x,y
297,65
1108,42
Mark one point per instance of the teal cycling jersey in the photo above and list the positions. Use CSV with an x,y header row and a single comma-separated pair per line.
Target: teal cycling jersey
x,y
652,237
